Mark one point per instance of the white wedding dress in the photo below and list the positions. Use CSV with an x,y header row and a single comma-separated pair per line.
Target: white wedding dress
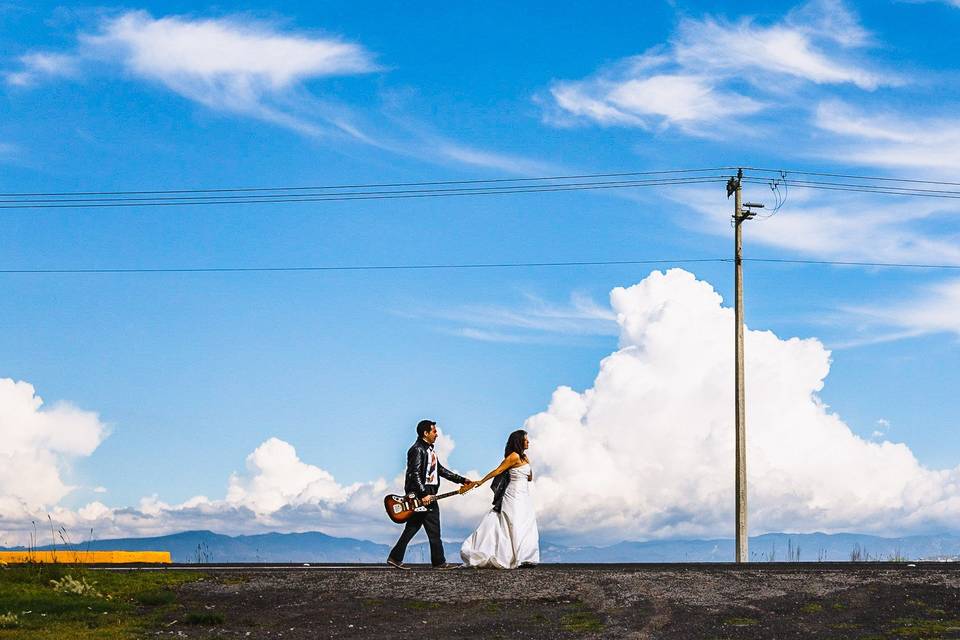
x,y
507,539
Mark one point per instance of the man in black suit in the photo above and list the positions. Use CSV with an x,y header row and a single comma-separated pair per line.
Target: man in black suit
x,y
423,479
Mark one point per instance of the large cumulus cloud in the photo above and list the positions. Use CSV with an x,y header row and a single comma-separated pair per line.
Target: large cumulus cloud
x,y
648,450
37,444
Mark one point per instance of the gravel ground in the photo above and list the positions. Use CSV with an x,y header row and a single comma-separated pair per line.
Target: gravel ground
x,y
555,602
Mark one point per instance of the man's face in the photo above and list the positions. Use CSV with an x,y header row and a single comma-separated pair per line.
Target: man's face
x,y
431,436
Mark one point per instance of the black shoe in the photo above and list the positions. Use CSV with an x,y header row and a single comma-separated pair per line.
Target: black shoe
x,y
396,564
447,565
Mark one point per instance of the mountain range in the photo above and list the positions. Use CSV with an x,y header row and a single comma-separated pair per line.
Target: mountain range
x,y
316,547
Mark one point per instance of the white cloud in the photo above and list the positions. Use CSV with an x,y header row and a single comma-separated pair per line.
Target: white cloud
x,y
839,226
617,97
37,444
648,450
277,477
255,69
239,57
699,78
797,47
485,335
230,64
902,140
936,309
883,425
535,321
491,160
40,64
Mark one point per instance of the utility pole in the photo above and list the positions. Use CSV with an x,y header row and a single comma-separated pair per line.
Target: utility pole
x,y
740,215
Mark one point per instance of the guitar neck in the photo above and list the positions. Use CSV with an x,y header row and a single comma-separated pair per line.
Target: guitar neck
x,y
446,495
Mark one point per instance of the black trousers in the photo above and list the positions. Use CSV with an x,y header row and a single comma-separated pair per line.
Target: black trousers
x,y
429,520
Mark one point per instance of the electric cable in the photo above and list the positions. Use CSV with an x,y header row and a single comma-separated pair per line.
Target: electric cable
x,y
480,265
348,196
373,185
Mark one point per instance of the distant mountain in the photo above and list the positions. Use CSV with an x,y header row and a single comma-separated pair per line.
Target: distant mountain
x,y
315,547
771,547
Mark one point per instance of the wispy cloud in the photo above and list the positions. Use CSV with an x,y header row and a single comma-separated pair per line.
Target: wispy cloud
x,y
892,139
533,321
811,44
952,3
843,226
40,65
485,335
936,309
241,66
228,64
617,97
714,69
231,64
491,160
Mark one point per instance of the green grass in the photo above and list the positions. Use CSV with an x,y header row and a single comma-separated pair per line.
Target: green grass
x,y
207,618
845,625
740,622
422,605
155,597
813,607
581,620
128,602
917,628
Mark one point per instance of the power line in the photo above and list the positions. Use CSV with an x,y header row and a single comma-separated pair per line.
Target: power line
x,y
373,267
846,263
374,185
854,177
456,266
348,196
454,188
864,188
910,190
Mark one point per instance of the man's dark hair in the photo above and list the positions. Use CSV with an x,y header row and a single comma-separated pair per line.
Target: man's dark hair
x,y
515,444
423,426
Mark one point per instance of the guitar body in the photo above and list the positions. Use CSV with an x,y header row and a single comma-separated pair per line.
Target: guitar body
x,y
401,507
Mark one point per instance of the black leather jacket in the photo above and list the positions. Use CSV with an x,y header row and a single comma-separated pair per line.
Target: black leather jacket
x,y
417,457
499,486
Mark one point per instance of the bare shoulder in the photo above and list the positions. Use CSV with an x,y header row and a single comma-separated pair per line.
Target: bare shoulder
x,y
513,458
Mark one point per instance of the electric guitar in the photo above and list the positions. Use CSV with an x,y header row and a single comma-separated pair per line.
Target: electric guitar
x,y
400,508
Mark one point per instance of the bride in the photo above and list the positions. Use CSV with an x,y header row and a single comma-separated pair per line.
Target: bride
x,y
507,536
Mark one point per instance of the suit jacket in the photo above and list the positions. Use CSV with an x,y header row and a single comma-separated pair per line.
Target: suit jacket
x,y
499,487
417,458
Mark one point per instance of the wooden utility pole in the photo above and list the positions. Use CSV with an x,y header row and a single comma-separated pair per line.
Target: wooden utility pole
x,y
740,215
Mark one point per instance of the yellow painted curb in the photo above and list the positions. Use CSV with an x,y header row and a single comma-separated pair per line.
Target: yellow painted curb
x,y
85,557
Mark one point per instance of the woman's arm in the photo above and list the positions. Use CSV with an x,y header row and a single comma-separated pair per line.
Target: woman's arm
x,y
508,463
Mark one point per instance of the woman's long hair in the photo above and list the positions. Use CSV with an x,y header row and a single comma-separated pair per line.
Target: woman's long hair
x,y
515,444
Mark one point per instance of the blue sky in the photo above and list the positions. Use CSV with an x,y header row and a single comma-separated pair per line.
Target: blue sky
x,y
190,373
